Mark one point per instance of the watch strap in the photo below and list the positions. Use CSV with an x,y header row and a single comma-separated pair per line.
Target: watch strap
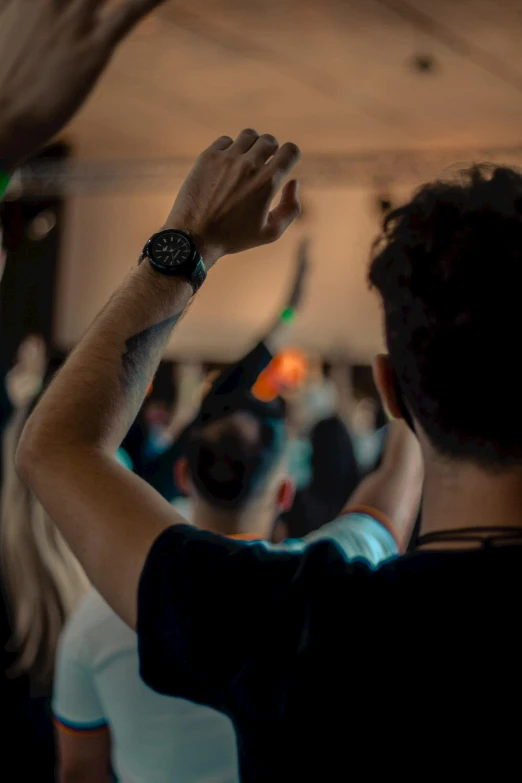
x,y
196,278
199,275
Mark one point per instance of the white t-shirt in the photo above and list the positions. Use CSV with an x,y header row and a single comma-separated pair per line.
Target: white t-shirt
x,y
158,739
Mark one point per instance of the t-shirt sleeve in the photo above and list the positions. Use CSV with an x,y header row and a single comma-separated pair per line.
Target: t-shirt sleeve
x,y
358,535
215,615
76,703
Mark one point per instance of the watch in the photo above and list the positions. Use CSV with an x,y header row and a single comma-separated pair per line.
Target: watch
x,y
173,252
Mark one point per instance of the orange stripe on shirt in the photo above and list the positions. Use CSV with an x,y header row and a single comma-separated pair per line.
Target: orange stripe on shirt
x,y
78,730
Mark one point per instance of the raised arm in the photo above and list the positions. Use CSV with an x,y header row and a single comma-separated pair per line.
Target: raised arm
x,y
277,334
393,491
108,515
52,55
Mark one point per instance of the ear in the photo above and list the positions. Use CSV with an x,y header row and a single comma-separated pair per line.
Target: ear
x,y
285,495
384,378
182,476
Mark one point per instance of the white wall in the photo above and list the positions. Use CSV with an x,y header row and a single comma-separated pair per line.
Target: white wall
x,y
104,236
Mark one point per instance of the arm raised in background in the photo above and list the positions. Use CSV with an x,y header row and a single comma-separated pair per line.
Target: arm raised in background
x,y
52,55
109,516
392,493
277,334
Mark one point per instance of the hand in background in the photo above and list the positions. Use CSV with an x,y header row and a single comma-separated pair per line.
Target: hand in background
x,y
52,54
24,381
225,200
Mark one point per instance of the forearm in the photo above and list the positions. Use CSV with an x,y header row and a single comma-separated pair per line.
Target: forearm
x,y
394,490
96,396
110,517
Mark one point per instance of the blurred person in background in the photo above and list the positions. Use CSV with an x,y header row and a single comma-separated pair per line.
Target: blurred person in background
x,y
321,459
235,473
321,455
51,56
166,445
41,584
5,403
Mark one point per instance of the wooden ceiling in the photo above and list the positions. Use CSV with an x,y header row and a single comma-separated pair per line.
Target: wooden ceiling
x,y
377,93
338,76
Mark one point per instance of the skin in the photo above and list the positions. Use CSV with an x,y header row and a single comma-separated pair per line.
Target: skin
x,y
104,511
85,757
110,517
457,494
39,90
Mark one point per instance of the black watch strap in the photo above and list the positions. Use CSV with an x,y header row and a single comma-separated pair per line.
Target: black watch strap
x,y
196,275
199,275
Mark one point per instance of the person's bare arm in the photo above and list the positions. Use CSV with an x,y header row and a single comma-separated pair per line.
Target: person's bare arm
x,y
84,756
394,489
109,516
52,54
277,335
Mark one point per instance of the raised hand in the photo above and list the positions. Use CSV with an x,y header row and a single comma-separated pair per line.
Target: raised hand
x,y
52,53
225,200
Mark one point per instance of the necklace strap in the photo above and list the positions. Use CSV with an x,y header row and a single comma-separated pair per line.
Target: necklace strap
x,y
487,536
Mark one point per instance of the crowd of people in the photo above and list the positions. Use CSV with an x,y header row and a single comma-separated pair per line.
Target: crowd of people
x,y
251,590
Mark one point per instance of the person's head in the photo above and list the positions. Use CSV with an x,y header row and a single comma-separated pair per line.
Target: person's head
x,y
234,469
448,267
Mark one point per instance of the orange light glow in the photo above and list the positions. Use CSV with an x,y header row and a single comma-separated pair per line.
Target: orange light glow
x,y
286,371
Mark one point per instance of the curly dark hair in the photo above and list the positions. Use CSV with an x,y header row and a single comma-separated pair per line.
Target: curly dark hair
x,y
448,266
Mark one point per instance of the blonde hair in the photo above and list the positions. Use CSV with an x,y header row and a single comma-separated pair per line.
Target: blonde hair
x,y
43,580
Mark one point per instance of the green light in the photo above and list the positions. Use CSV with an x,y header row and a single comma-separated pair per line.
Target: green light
x,y
288,315
4,182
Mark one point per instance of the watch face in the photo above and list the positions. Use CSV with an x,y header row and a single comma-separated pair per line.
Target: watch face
x,y
171,249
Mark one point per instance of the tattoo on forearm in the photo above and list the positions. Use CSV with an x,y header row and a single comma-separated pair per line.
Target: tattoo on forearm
x,y
141,357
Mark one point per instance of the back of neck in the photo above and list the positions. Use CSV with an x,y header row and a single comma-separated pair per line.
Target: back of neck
x,y
463,495
250,523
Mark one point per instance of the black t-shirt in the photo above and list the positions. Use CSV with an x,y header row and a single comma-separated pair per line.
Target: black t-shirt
x,y
333,671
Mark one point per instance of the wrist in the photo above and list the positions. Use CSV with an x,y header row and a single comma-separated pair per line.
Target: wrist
x,y
208,252
173,286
